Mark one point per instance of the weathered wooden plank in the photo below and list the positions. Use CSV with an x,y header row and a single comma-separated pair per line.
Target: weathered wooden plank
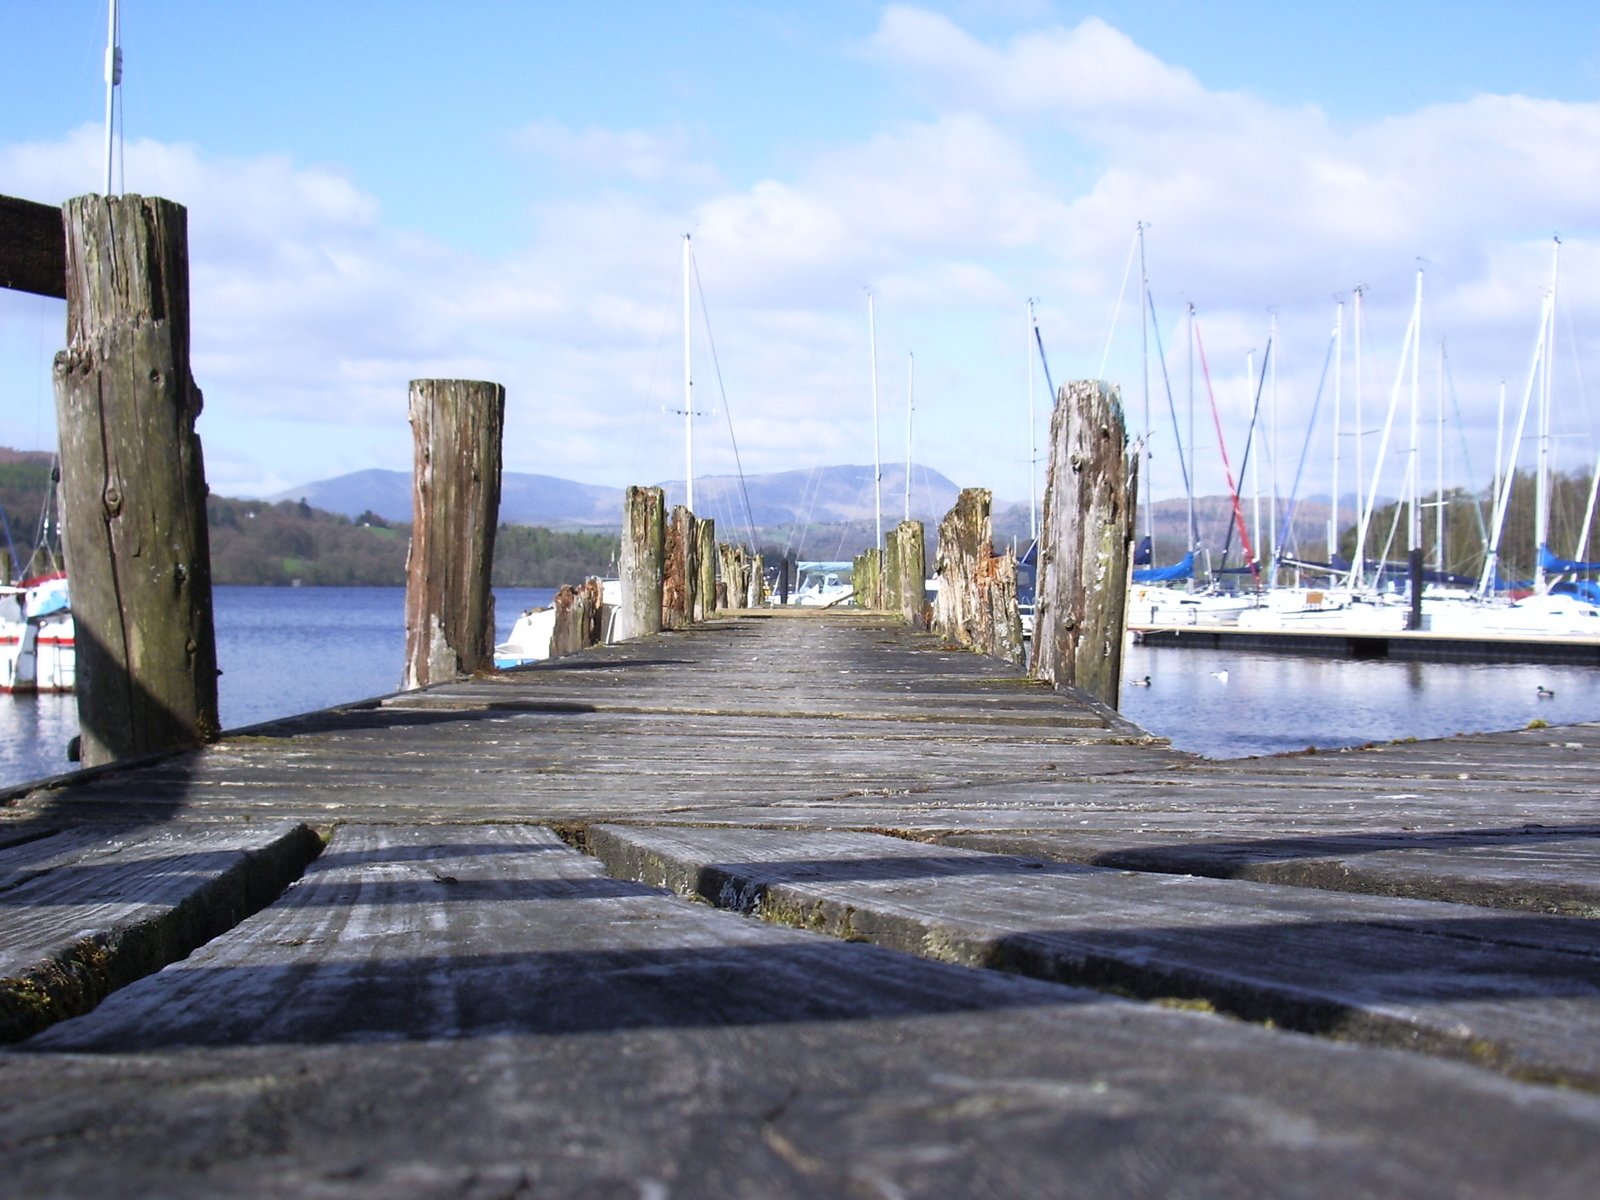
x,y
456,427
1517,992
449,1011
88,914
133,487
33,248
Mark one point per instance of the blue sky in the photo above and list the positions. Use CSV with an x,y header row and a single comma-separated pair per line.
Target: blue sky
x,y
385,191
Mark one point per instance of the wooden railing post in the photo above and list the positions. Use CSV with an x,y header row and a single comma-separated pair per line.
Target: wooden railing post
x,y
905,574
642,562
133,482
1090,489
682,571
755,583
977,600
578,613
705,591
866,578
456,428
735,575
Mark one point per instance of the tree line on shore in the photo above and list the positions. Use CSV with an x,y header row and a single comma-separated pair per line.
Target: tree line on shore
x,y
254,542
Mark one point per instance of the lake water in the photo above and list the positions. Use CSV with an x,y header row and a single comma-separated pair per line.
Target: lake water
x,y
290,650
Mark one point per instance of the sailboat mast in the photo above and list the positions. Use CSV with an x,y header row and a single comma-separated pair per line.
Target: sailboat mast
x,y
1033,426
877,457
1438,472
688,388
1414,542
911,406
1338,418
113,81
1144,352
1542,491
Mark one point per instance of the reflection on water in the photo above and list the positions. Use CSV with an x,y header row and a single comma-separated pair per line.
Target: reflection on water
x,y
282,651
1272,703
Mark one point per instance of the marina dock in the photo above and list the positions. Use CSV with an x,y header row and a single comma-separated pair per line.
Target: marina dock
x,y
1420,645
799,903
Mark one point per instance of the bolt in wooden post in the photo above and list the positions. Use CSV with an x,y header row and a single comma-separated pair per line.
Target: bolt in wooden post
x,y
456,427
682,573
705,590
642,561
133,482
1084,541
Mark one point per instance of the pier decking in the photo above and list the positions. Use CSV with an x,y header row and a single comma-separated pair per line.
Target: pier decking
x,y
800,904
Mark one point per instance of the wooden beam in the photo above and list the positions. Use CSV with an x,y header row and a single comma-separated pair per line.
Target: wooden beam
x,y
33,248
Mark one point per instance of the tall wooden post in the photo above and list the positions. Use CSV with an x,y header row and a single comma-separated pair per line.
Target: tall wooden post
x,y
1089,496
641,563
578,611
977,601
735,574
705,590
456,427
755,582
682,571
133,482
905,574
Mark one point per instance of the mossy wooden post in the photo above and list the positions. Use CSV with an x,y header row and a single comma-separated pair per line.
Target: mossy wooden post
x,y
1084,541
735,575
905,574
133,484
866,578
578,611
456,427
705,590
642,562
681,573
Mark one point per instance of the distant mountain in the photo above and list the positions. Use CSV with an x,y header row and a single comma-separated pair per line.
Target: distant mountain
x,y
822,496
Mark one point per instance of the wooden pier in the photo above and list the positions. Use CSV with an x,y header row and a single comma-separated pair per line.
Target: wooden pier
x,y
799,904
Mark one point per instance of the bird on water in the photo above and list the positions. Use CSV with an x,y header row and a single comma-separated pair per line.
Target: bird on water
x,y
1545,693
1145,682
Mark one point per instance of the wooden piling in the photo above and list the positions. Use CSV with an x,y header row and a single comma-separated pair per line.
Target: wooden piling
x,y
906,573
681,574
578,613
977,600
456,428
705,591
755,583
133,485
866,578
642,562
1084,541
735,569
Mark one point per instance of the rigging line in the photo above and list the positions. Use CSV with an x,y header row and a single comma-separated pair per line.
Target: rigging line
x,y
1286,530
1172,408
1227,469
1466,451
1048,382
1116,313
1249,438
716,366
808,500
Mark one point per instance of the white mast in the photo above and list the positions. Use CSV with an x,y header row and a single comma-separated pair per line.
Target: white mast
x,y
877,459
1272,454
1541,522
113,81
1438,472
1143,497
1033,427
911,406
1414,542
1338,417
688,389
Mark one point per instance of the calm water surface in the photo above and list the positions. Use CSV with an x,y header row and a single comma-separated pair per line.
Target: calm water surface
x,y
291,650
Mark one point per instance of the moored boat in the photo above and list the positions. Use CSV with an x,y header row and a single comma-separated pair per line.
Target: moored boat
x,y
38,644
